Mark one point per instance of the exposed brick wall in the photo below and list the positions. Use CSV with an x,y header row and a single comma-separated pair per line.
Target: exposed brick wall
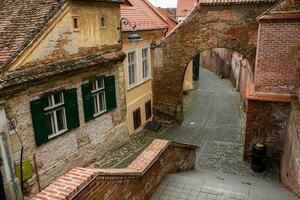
x,y
290,162
78,147
202,30
278,47
138,181
266,123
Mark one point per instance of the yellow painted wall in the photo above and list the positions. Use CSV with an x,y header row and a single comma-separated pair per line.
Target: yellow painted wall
x,y
137,96
188,83
59,40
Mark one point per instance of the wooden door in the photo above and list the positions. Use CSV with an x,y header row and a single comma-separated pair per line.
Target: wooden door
x,y
137,118
148,109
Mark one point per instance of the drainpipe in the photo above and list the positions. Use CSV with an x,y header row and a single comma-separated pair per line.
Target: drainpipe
x,y
10,182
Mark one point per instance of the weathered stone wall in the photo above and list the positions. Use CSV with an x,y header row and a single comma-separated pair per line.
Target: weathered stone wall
x,y
138,181
266,123
290,161
278,46
207,27
77,147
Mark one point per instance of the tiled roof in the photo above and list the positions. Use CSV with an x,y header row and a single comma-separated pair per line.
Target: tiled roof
x,y
184,7
228,2
172,23
143,14
287,9
20,22
171,11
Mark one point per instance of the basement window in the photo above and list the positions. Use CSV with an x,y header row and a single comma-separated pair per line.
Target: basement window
x,y
76,23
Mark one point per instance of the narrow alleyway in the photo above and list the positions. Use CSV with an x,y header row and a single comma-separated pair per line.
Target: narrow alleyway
x,y
213,120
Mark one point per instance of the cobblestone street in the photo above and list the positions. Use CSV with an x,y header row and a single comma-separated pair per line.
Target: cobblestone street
x,y
213,120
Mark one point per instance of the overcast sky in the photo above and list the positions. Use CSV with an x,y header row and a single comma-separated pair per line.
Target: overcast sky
x,y
164,3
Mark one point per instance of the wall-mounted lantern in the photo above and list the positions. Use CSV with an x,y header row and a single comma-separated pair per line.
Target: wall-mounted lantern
x,y
134,36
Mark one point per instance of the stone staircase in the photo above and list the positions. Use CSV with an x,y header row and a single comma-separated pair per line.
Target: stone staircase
x,y
210,185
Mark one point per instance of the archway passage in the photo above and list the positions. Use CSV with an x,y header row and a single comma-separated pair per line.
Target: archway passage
x,y
228,26
213,121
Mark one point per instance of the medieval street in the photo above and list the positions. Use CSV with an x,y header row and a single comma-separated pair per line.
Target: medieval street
x,y
213,120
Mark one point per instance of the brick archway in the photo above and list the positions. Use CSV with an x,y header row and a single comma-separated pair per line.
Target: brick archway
x,y
208,26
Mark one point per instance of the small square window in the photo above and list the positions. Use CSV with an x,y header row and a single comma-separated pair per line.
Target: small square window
x,y
76,23
103,21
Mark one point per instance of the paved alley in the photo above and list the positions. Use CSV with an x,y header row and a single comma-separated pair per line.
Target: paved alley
x,y
213,120
210,185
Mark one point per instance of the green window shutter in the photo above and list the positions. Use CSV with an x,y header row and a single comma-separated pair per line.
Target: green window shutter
x,y
110,92
38,121
87,99
71,108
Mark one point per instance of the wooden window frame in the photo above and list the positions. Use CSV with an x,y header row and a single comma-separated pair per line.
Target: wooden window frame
x,y
134,64
146,60
52,110
148,113
96,93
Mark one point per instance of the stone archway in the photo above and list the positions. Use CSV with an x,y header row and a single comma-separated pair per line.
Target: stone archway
x,y
230,26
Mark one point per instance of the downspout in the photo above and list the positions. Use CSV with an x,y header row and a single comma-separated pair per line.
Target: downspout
x,y
10,182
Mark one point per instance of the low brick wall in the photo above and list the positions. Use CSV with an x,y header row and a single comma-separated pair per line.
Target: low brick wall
x,y
266,123
290,161
138,181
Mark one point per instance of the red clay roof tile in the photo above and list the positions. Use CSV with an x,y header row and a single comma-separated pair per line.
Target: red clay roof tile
x,y
172,23
184,7
20,22
143,14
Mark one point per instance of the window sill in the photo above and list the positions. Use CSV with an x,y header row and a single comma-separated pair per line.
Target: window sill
x,y
99,114
52,137
130,87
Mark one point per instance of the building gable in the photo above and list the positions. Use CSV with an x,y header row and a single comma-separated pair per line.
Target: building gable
x,y
61,40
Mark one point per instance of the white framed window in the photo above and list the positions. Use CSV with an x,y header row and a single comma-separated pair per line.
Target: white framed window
x,y
55,115
132,68
98,93
145,63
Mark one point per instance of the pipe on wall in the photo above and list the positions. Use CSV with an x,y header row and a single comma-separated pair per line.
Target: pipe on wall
x,y
10,182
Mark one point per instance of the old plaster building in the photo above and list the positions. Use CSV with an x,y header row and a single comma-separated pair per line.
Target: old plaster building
x,y
151,26
62,86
